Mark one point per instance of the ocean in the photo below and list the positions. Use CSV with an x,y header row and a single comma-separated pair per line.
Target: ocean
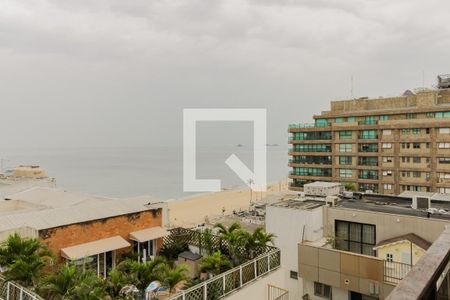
x,y
136,171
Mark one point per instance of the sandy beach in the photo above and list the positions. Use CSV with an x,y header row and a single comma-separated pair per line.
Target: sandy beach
x,y
189,212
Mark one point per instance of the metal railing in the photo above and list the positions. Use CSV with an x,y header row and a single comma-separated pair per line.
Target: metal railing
x,y
232,280
308,125
276,293
395,271
13,291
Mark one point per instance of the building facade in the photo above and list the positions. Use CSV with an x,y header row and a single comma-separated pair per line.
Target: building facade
x,y
387,145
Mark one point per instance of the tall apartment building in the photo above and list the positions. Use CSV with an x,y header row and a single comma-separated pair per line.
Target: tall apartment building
x,y
386,145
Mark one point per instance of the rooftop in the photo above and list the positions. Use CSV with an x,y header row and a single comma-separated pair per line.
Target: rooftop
x,y
44,207
372,202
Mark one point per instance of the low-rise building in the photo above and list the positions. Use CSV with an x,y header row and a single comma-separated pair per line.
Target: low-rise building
x,y
351,249
82,228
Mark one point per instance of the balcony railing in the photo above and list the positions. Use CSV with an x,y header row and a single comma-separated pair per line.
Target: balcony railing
x,y
395,271
221,285
308,125
370,177
368,163
368,137
368,122
12,291
276,293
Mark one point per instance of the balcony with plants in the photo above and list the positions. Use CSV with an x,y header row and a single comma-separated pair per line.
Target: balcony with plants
x,y
230,259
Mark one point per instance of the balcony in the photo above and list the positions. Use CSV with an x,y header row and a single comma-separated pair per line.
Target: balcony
x,y
368,137
308,125
311,160
368,162
368,122
368,176
222,285
348,271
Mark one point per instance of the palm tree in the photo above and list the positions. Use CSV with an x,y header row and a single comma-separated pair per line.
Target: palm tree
x,y
174,277
24,259
215,263
235,237
88,286
57,285
141,274
260,239
115,281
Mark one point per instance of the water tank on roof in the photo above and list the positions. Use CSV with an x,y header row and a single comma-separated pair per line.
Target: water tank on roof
x,y
421,202
444,81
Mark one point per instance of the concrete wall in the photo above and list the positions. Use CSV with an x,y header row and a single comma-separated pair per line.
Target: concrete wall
x,y
71,235
290,225
341,270
24,232
259,288
401,249
387,225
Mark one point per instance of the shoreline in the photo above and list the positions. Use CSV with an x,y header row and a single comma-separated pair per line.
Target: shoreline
x,y
200,208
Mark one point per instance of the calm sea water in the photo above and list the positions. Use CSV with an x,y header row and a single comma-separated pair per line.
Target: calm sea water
x,y
122,172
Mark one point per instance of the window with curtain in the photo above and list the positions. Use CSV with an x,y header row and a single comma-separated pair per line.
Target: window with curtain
x,y
355,237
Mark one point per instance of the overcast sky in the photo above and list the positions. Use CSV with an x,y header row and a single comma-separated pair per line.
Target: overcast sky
x,y
118,73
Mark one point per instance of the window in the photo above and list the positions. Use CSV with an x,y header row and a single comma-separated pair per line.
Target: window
x,y
384,118
444,190
387,173
355,237
444,146
345,135
389,257
387,132
444,130
444,160
370,120
417,174
368,134
387,186
351,119
410,116
417,160
416,145
345,147
340,120
322,290
442,114
318,172
345,173
415,131
322,123
444,175
405,159
388,159
312,148
294,275
345,160
387,145
368,147
405,145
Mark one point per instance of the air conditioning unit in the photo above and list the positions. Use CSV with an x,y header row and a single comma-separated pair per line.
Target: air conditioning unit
x,y
420,202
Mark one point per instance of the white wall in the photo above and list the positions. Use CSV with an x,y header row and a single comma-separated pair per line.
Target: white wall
x,y
259,288
288,225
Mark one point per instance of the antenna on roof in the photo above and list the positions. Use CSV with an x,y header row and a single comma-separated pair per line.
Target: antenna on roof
x,y
351,87
423,79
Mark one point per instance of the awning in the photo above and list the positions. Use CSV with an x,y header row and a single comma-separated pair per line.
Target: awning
x,y
148,234
94,248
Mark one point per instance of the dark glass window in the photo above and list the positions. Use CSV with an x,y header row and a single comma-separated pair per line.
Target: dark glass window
x,y
355,237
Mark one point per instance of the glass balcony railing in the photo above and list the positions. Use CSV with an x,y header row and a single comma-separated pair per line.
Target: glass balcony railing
x,y
308,125
368,163
368,137
368,122
371,177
